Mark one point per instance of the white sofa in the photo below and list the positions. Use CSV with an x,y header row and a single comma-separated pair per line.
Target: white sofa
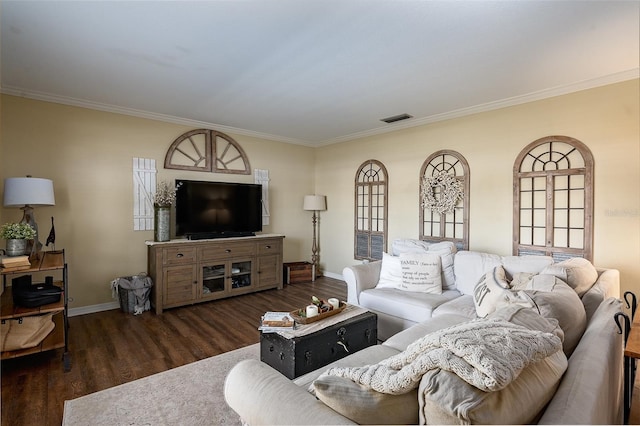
x,y
580,385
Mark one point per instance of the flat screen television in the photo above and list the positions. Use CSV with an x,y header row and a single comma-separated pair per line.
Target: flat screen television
x,y
217,209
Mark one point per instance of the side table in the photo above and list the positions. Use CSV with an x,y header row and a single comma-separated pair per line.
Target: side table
x,y
311,346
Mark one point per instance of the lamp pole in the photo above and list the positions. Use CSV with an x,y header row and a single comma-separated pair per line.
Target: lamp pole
x,y
314,246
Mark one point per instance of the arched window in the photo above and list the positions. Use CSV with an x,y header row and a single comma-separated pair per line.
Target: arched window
x,y
452,225
371,211
553,199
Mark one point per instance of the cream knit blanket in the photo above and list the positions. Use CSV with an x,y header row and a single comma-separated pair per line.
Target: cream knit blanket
x,y
487,354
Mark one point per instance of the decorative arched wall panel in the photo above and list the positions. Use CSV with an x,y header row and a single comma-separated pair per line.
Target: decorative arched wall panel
x,y
371,186
207,150
553,199
452,225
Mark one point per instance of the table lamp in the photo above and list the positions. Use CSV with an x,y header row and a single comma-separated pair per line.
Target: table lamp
x,y
27,193
315,203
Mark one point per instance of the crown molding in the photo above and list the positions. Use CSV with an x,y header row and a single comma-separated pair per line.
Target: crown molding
x,y
65,100
489,106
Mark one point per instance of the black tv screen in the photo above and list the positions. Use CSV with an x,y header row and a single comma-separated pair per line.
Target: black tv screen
x,y
217,209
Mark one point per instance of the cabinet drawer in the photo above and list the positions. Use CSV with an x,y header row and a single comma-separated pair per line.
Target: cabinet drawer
x,y
268,247
227,250
179,255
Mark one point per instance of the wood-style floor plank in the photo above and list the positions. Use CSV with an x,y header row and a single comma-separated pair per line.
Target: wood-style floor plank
x,y
110,348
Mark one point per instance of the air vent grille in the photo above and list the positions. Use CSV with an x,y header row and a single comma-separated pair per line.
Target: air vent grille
x,y
395,118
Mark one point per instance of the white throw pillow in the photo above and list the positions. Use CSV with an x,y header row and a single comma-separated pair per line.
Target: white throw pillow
x,y
491,291
390,272
446,250
421,272
578,272
470,266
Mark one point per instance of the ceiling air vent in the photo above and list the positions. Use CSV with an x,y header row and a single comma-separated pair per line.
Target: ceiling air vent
x,y
396,118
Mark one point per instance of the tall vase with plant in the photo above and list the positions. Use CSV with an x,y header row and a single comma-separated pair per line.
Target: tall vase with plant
x,y
163,199
17,236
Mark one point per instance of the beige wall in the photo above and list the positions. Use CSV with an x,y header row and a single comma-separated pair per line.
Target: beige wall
x,y
606,119
88,155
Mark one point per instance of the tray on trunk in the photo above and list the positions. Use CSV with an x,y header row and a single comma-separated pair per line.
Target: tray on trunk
x,y
304,320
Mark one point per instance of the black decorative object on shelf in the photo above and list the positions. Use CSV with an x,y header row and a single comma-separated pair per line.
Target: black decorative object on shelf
x,y
52,236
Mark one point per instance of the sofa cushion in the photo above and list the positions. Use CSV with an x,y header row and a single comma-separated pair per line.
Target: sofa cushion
x,y
555,299
421,272
366,406
401,340
462,306
526,263
412,306
445,249
491,290
390,272
446,399
469,266
578,272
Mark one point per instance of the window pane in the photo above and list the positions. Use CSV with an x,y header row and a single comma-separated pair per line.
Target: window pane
x,y
576,238
560,238
525,236
539,237
561,219
576,218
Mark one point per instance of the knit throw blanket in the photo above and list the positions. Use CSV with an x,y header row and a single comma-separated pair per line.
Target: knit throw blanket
x,y
487,354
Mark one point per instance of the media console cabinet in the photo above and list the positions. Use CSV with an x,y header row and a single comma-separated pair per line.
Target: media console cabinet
x,y
185,271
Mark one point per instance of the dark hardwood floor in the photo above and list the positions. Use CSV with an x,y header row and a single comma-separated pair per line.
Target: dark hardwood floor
x,y
110,348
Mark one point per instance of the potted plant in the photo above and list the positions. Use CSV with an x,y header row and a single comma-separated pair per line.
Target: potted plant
x,y
17,235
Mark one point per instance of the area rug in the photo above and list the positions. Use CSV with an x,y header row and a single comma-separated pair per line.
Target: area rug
x,y
188,395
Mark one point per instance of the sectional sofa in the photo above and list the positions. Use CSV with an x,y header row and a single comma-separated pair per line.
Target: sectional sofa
x,y
569,304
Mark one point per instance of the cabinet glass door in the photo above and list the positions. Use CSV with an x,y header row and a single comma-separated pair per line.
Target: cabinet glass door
x,y
240,274
213,278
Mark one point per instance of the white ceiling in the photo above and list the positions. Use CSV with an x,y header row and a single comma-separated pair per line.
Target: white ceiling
x,y
317,71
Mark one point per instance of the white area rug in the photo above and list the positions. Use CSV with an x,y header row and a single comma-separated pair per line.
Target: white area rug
x,y
188,395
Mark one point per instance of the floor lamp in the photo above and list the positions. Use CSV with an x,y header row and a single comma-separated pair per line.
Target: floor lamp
x,y
315,203
28,192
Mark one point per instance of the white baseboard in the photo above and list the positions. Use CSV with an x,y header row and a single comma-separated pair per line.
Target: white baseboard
x,y
83,310
333,275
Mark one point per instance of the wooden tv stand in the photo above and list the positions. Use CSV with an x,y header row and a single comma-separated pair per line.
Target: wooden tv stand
x,y
193,271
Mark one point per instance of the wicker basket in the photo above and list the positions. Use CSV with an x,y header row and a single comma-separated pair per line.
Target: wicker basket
x,y
126,294
127,300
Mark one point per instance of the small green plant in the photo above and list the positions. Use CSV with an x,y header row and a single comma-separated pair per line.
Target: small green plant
x,y
17,231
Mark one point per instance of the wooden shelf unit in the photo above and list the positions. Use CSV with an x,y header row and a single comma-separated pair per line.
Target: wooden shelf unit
x,y
58,338
192,271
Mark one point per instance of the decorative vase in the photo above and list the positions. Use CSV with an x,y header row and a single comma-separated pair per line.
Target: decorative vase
x,y
16,247
162,223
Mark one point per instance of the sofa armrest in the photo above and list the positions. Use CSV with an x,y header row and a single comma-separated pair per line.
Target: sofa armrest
x,y
591,390
261,395
360,278
607,285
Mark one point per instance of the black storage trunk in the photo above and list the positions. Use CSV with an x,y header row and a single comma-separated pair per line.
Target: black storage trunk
x,y
300,355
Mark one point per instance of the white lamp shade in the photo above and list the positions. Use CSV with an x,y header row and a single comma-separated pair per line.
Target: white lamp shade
x,y
31,191
315,202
